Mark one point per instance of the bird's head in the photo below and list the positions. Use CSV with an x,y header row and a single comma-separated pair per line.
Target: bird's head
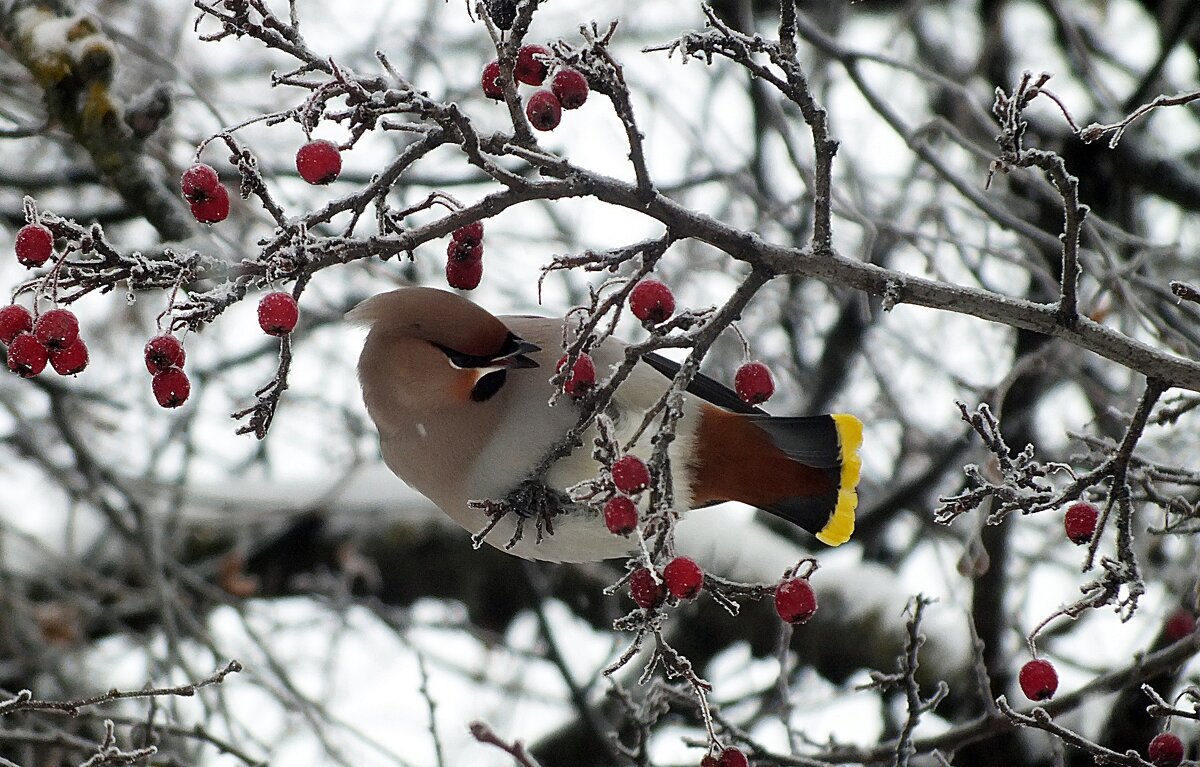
x,y
433,348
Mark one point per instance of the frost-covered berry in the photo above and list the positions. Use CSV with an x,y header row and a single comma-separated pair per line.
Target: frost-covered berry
x,y
1165,750
471,234
753,383
464,274
489,81
171,387
543,110
33,245
1080,522
683,577
1038,679
1181,623
319,161
651,301
710,761
531,64
795,601
162,352
582,377
502,13
26,355
14,319
630,474
278,313
570,87
71,359
56,329
620,515
213,210
644,588
733,757
199,183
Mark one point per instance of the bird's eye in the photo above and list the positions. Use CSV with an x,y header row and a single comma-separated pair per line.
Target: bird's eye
x,y
488,385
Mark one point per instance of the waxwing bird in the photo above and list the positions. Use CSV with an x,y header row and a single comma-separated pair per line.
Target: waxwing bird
x,y
461,401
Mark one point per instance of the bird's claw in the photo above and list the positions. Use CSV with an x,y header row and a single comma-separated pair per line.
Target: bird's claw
x,y
529,500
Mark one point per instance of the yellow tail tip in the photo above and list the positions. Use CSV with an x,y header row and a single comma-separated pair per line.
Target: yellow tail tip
x,y
841,523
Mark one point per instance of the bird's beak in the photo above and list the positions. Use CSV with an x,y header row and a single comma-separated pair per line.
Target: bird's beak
x,y
516,358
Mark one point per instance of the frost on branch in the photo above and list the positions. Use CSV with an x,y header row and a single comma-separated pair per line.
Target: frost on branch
x,y
1022,485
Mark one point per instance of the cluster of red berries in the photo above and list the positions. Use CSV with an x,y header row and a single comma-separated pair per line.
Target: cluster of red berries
x,y
682,578
728,757
34,245
53,337
318,162
164,360
464,257
568,88
652,302
630,476
203,190
164,354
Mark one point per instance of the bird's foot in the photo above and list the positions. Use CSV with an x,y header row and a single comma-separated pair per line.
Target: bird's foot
x,y
530,500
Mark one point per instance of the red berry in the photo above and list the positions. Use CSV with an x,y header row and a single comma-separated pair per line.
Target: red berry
x,y
319,162
162,352
630,475
1181,623
733,757
753,383
651,301
710,761
465,274
531,64
570,87
1039,680
644,589
490,81
56,329
199,183
582,377
795,601
213,210
543,110
71,359
1080,522
462,250
34,245
683,577
171,387
620,515
1166,750
26,355
278,313
14,319
471,234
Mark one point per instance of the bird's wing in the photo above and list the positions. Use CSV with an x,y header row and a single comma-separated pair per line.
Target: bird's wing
x,y
707,389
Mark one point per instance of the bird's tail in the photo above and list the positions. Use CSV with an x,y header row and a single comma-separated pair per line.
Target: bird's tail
x,y
804,470
829,443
